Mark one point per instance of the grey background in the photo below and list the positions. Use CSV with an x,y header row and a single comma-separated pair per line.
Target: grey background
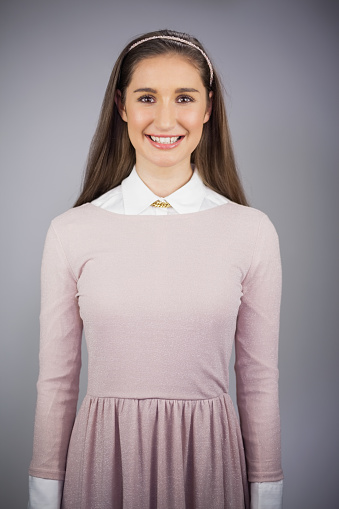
x,y
278,60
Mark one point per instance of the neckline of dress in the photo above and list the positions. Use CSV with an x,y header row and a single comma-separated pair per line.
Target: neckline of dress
x,y
168,217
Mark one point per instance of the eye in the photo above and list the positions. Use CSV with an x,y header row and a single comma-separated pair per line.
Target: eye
x,y
146,99
185,99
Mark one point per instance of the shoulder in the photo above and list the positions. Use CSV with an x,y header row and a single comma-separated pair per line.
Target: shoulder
x,y
248,215
75,229
73,216
257,236
251,224
76,223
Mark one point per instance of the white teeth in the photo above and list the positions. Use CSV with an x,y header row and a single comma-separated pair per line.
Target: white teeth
x,y
173,139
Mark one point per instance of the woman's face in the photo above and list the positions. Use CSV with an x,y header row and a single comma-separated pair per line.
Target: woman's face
x,y
165,109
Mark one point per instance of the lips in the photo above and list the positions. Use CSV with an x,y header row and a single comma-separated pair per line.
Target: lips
x,y
165,139
164,142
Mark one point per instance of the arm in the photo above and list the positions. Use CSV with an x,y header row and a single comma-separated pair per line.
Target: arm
x,y
60,363
256,365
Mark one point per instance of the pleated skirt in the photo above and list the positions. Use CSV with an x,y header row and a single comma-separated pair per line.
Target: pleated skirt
x,y
127,453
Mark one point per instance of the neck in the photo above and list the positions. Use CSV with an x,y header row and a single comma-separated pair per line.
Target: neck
x,y
163,181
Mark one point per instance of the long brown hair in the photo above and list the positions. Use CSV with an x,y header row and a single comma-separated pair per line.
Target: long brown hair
x,y
112,157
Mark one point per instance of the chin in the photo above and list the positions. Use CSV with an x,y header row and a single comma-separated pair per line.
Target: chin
x,y
165,162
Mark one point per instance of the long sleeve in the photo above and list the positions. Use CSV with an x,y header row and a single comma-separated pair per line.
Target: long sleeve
x,y
60,362
256,365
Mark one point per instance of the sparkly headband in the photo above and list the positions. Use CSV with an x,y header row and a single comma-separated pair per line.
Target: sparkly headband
x,y
179,40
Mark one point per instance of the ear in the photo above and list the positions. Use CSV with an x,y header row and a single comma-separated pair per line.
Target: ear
x,y
209,108
120,106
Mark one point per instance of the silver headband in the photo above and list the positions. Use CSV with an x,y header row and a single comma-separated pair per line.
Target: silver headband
x,y
179,40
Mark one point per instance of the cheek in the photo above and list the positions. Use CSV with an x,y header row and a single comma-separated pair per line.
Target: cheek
x,y
193,120
139,119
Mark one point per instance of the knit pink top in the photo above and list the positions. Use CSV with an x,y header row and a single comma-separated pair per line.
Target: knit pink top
x,y
162,300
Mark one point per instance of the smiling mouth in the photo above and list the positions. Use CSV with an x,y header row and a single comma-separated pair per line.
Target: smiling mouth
x,y
168,140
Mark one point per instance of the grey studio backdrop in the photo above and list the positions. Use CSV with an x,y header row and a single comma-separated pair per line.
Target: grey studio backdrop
x,y
278,61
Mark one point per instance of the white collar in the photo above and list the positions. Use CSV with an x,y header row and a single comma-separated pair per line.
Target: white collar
x,y
137,196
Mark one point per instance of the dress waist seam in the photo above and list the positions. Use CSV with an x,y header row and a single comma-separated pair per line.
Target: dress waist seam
x,y
93,396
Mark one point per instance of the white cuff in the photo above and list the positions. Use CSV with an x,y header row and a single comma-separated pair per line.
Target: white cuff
x,y
266,495
44,493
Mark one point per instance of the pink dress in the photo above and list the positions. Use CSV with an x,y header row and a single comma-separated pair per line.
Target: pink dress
x,y
162,299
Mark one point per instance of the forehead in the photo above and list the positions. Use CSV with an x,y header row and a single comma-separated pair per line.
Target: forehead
x,y
170,70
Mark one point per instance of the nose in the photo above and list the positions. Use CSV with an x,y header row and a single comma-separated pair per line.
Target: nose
x,y
165,118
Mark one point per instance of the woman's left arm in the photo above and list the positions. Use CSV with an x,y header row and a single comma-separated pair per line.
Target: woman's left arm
x,y
256,365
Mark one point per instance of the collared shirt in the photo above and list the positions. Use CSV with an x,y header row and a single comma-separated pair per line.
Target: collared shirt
x,y
133,197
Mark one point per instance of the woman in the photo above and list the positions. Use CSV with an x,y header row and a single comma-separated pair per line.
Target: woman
x,y
161,300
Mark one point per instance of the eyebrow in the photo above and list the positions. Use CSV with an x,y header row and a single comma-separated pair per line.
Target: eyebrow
x,y
177,91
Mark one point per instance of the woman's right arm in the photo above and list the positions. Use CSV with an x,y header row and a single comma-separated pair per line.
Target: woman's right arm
x,y
59,370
